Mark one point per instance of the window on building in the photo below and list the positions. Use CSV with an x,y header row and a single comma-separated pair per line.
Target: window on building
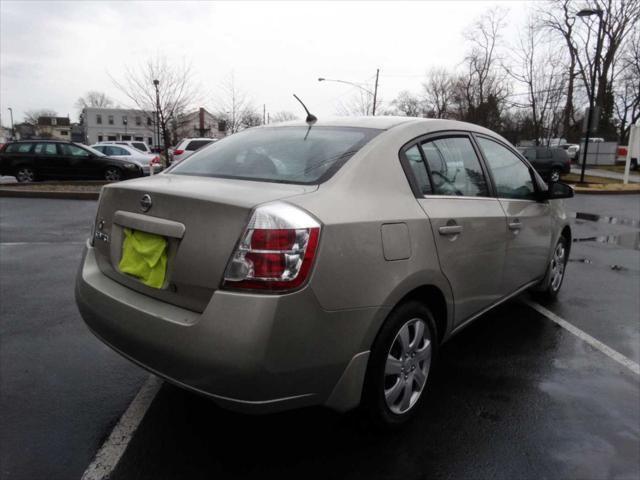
x,y
150,140
112,138
110,119
148,120
139,139
99,138
64,132
124,120
54,121
99,119
125,137
138,121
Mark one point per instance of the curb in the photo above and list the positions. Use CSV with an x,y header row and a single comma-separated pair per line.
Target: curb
x,y
8,192
606,192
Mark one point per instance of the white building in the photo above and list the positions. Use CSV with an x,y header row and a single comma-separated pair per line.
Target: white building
x,y
103,124
197,124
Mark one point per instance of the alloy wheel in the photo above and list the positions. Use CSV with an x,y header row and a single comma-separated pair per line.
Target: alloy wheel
x,y
558,262
112,175
407,366
555,175
25,175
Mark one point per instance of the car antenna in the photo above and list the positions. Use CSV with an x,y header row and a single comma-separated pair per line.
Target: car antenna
x,y
311,118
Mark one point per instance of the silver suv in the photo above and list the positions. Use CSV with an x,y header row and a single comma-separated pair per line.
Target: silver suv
x,y
319,264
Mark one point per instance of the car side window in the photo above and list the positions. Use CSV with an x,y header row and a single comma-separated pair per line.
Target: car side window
x,y
510,175
19,148
416,162
73,151
46,149
100,148
119,151
455,168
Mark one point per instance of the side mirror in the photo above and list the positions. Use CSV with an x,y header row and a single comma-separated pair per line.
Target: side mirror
x,y
558,190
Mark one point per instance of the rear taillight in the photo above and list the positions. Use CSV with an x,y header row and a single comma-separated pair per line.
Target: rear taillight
x,y
178,152
276,250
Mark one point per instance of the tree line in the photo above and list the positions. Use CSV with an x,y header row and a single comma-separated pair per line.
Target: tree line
x,y
536,88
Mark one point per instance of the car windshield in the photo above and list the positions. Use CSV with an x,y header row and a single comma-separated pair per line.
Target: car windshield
x,y
278,154
97,153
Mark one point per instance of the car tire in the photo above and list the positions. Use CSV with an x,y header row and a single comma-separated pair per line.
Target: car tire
x,y
554,278
554,175
25,174
400,363
112,174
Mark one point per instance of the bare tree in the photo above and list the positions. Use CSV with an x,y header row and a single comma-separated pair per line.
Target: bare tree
x,y
627,88
283,116
539,68
235,107
408,104
176,91
581,38
438,93
481,88
360,103
94,99
31,116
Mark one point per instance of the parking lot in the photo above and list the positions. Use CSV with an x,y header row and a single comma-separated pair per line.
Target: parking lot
x,y
516,395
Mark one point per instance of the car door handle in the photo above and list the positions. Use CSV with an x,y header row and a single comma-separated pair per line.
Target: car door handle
x,y
515,225
450,230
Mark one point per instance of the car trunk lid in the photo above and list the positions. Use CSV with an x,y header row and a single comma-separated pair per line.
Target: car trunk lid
x,y
201,218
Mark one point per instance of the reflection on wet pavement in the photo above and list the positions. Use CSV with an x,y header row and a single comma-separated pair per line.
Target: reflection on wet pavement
x,y
592,217
630,240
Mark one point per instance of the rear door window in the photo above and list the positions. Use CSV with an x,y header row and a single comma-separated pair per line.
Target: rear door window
x,y
196,144
46,149
455,168
278,154
416,162
73,151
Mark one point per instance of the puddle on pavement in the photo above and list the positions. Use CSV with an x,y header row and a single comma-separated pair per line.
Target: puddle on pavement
x,y
580,260
629,240
592,217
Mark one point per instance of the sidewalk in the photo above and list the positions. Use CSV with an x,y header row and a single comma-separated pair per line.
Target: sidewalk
x,y
633,177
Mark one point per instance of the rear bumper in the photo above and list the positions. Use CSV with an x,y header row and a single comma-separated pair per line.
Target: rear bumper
x,y
251,353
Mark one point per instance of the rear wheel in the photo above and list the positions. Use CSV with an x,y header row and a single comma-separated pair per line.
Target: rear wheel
x,y
399,366
25,174
112,174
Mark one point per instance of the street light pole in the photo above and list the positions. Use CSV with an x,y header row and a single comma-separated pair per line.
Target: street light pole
x,y
374,94
13,133
587,12
156,83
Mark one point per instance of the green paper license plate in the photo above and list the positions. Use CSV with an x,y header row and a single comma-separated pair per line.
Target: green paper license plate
x,y
144,256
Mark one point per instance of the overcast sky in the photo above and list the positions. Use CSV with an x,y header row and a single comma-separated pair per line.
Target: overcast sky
x,y
53,52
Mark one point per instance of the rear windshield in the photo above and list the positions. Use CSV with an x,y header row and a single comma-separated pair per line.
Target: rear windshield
x,y
282,154
196,144
140,146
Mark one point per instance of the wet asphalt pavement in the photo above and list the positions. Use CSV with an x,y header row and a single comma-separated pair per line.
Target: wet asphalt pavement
x,y
514,395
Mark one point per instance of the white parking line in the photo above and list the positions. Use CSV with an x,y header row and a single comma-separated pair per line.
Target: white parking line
x,y
109,454
61,242
597,344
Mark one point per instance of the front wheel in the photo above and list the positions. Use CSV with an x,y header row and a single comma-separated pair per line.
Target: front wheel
x,y
25,174
399,366
554,176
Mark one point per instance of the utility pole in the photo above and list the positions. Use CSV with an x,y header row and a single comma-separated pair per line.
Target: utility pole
x,y
264,113
156,83
375,92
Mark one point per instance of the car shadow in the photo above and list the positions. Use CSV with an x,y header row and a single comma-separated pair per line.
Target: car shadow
x,y
483,379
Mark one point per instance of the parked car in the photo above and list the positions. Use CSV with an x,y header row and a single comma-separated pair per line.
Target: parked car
x,y
549,162
125,152
31,160
187,146
143,147
572,150
295,265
